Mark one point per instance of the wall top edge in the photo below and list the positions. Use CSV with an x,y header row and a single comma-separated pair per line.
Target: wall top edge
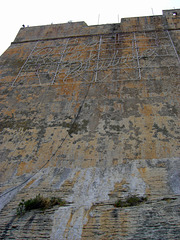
x,y
170,19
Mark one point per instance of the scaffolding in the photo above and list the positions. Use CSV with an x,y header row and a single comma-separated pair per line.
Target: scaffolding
x,y
104,58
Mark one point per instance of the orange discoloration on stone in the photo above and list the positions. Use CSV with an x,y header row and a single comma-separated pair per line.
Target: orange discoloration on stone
x,y
146,110
9,113
68,225
25,167
29,183
155,178
110,222
119,188
71,90
18,97
150,152
21,168
76,108
142,170
124,223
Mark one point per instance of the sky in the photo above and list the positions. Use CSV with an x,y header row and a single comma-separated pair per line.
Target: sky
x,y
15,13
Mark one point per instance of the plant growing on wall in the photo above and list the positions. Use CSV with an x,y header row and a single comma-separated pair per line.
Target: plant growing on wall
x,y
130,201
39,202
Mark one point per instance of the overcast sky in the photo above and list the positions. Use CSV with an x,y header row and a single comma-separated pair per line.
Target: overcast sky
x,y
15,13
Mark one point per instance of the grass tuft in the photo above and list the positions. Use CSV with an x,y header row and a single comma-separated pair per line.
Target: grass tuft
x,y
39,202
130,201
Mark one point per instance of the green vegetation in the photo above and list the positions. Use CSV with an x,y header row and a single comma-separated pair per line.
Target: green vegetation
x,y
75,127
39,202
130,201
10,122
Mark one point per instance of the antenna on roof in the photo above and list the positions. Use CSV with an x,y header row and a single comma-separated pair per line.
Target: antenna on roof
x,y
98,18
152,11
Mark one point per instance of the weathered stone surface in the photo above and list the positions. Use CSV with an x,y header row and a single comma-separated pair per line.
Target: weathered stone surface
x,y
91,114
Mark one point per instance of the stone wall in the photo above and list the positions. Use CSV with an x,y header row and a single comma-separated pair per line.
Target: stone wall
x,y
91,114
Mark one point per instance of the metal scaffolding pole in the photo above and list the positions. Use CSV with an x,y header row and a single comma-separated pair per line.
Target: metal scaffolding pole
x,y
12,85
173,46
137,56
62,55
97,65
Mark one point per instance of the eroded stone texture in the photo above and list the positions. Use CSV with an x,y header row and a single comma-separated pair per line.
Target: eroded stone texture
x,y
91,114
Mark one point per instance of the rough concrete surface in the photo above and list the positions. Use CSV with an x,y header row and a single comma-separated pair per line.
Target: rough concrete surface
x,y
90,114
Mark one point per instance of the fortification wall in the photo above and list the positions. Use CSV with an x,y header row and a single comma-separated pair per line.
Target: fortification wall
x,y
91,114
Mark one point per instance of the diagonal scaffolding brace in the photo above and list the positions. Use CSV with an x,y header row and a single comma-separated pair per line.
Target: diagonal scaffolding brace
x,y
173,46
97,65
60,60
137,56
12,85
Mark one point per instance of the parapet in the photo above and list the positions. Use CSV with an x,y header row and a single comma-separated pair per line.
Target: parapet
x,y
169,20
171,13
70,29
